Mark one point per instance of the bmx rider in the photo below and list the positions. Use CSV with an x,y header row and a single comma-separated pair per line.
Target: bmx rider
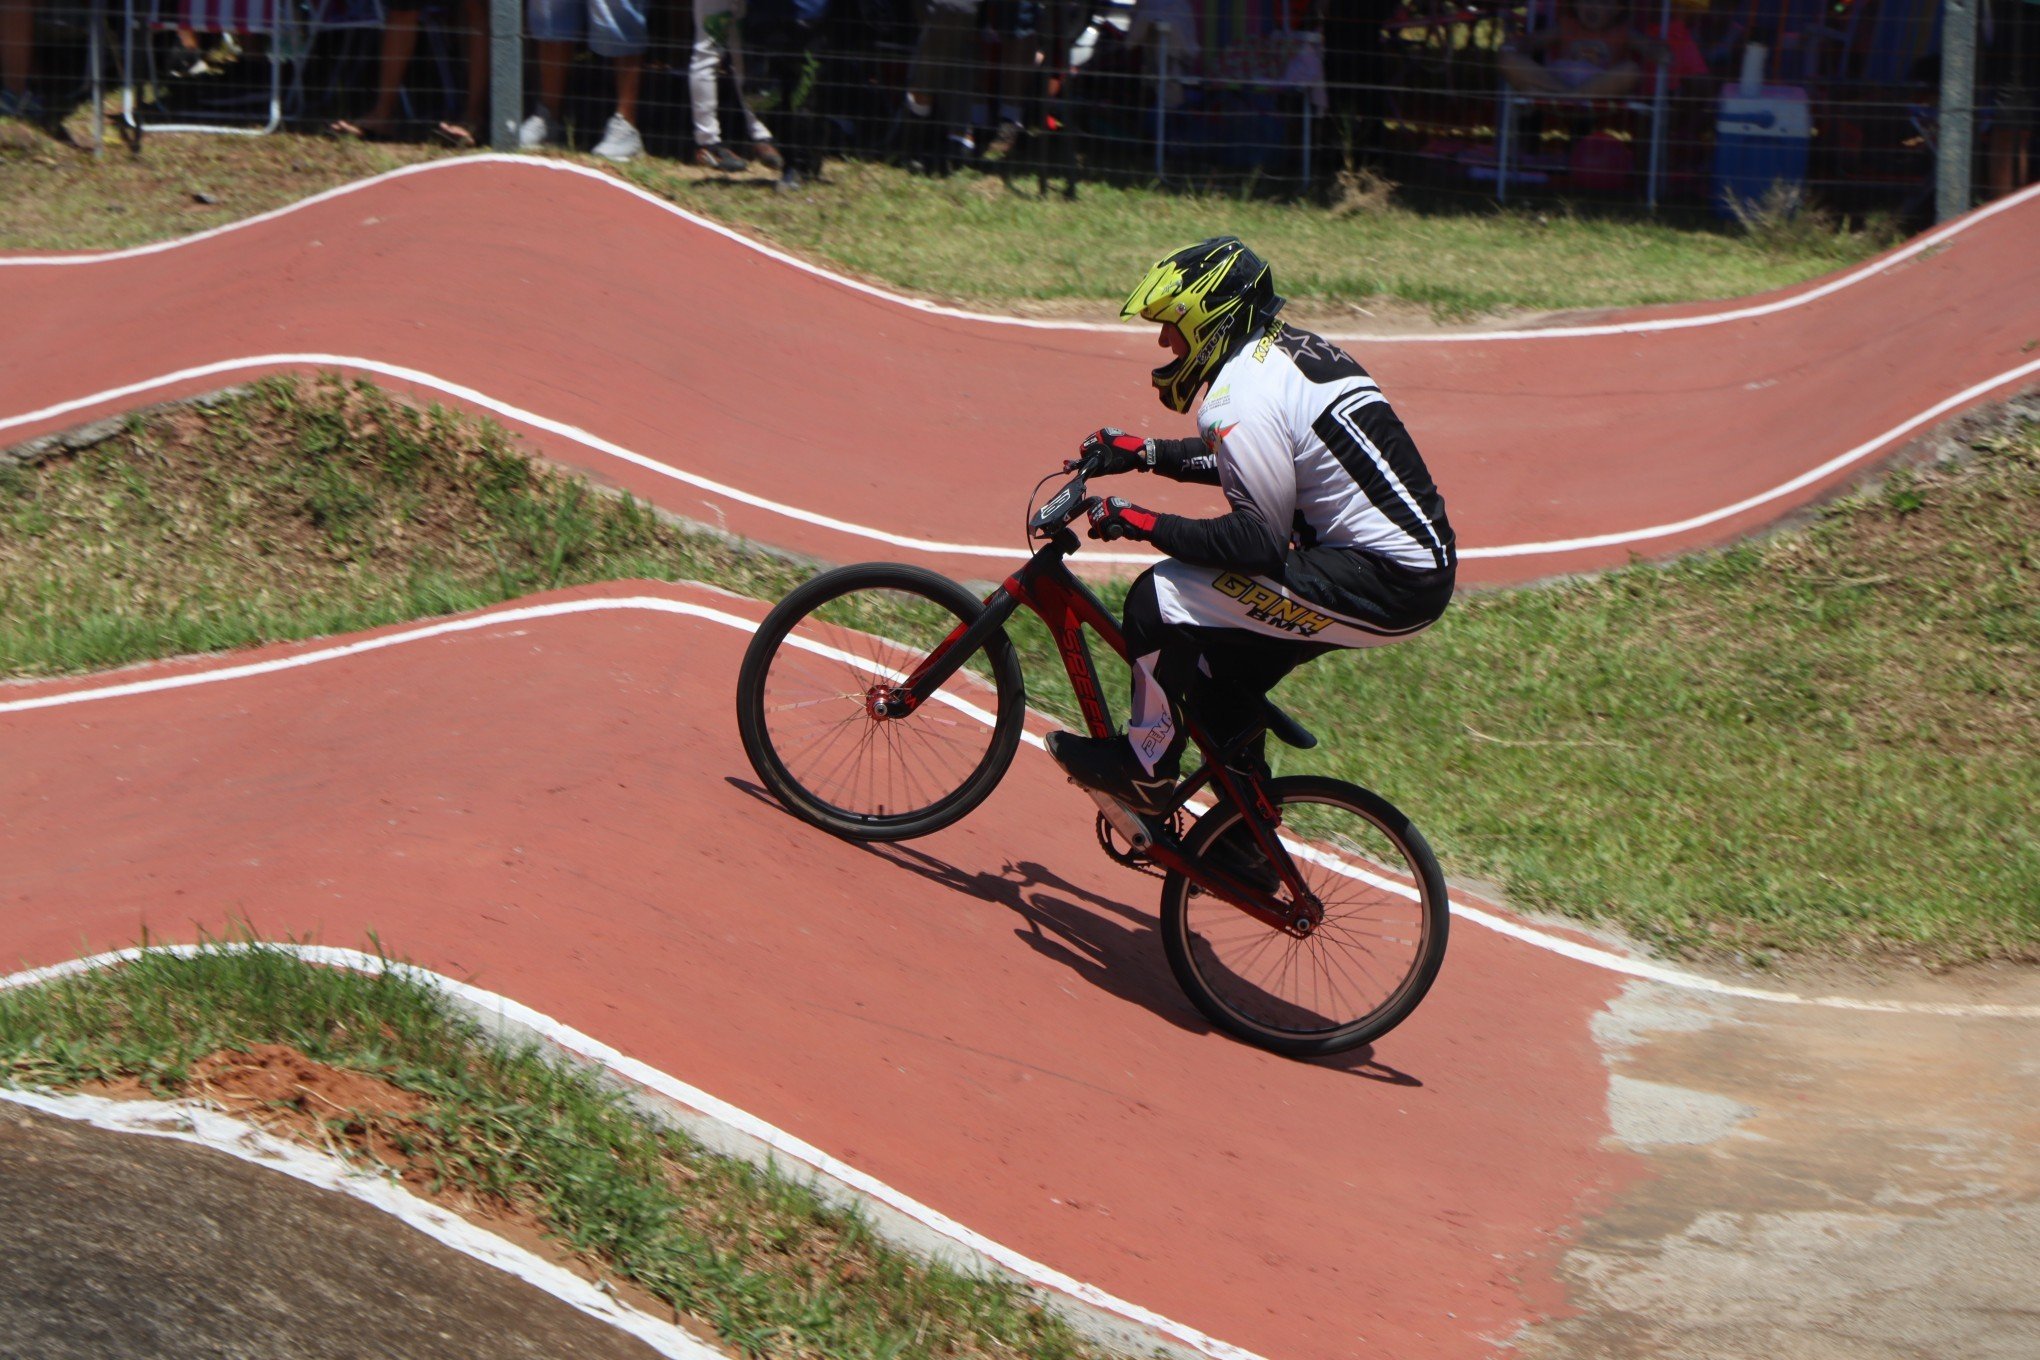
x,y
1335,535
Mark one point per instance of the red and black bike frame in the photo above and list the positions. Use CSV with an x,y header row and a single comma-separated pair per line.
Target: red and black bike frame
x,y
1046,585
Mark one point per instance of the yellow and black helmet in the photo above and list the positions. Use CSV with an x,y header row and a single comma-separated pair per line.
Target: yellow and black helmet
x,y
1215,292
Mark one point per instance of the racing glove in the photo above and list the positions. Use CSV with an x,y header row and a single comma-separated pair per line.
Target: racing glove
x,y
1122,452
1118,517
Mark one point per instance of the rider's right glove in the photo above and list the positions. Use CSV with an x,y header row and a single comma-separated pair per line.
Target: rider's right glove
x,y
1117,451
1118,517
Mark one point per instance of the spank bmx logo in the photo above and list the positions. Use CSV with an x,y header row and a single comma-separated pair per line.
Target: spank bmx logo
x,y
1271,606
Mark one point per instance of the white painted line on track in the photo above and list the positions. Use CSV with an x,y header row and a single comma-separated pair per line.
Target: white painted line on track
x,y
609,448
551,426
1515,930
187,1122
1890,259
672,1088
1804,479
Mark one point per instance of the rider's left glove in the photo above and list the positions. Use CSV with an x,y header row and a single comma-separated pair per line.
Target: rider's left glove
x,y
1118,517
1115,451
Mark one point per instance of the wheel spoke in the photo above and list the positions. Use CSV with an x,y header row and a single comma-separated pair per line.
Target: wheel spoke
x,y
810,726
1363,964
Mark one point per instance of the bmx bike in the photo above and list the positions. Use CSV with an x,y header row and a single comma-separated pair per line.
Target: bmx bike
x,y
882,701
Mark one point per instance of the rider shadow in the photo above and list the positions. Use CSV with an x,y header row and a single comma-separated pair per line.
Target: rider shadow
x,y
1110,945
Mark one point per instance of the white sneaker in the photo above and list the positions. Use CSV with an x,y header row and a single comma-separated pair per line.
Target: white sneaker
x,y
620,141
537,130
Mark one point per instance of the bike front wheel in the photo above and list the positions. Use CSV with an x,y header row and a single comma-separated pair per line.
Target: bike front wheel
x,y
1367,962
809,723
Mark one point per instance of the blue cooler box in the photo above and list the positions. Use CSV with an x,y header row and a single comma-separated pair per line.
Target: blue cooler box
x,y
1760,139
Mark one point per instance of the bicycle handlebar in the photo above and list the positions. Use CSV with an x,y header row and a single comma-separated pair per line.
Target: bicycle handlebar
x,y
1066,504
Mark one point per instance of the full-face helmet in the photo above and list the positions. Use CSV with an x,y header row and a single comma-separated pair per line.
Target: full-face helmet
x,y
1215,293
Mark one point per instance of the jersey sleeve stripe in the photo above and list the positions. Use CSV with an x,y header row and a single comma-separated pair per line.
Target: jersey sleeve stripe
x,y
1363,433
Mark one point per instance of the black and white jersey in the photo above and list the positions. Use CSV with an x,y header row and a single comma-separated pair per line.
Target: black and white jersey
x,y
1307,444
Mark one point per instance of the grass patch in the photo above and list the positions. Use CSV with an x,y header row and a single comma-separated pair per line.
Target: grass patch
x,y
304,506
57,197
746,1253
973,240
1819,744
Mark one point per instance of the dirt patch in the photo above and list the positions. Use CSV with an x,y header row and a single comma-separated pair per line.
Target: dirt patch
x,y
286,1092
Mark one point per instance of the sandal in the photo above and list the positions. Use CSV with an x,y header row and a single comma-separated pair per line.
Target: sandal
x,y
455,136
361,131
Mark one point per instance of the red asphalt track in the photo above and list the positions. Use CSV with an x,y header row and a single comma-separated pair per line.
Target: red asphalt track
x,y
568,296
558,810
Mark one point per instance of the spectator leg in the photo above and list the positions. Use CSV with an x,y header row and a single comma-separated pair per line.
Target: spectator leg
x,y
760,134
702,66
944,69
2010,167
17,42
1019,68
553,61
630,72
399,42
475,109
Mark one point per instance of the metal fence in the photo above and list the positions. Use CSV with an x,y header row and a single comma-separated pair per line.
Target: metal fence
x,y
1698,106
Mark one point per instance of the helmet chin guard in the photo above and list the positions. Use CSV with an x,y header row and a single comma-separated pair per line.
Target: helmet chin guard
x,y
1215,293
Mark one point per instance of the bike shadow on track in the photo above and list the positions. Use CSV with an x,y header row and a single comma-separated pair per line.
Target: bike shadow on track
x,y
1112,946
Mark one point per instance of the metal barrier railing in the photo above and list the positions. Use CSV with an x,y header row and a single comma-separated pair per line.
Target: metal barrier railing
x,y
1840,113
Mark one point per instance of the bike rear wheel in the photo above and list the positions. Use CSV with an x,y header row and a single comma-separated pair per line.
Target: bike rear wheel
x,y
1367,963
806,714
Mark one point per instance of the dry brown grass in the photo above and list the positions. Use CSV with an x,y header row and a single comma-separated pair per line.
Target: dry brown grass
x,y
1360,189
56,195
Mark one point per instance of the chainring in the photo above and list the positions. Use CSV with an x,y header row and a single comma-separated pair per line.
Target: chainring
x,y
1125,855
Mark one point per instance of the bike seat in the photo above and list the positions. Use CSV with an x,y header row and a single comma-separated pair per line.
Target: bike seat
x,y
1286,728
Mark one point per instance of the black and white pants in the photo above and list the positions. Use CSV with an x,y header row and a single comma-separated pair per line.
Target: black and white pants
x,y
1219,640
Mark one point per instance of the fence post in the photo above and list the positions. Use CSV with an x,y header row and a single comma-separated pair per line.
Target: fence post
x,y
1955,153
1657,102
1161,97
506,72
98,22
1505,139
1306,136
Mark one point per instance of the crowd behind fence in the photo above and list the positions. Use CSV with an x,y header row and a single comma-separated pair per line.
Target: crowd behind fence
x,y
1700,105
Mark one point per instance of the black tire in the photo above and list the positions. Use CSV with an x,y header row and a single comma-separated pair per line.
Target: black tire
x,y
812,737
1365,967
